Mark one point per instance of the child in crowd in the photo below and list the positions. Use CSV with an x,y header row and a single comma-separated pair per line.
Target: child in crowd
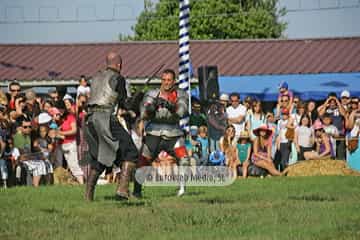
x,y
204,141
83,87
244,152
330,129
42,144
270,122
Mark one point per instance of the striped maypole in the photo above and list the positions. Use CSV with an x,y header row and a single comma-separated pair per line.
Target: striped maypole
x,y
184,54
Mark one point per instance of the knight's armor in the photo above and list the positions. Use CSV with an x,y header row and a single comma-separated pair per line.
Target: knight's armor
x,y
101,92
163,114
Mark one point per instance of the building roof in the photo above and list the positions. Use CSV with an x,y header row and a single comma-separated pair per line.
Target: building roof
x,y
140,59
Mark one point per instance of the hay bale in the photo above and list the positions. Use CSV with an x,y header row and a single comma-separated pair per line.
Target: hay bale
x,y
63,177
320,168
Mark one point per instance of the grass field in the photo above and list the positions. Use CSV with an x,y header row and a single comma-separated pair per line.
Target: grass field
x,y
270,208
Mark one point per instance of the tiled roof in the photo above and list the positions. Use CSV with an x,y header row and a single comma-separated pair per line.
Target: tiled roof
x,y
233,57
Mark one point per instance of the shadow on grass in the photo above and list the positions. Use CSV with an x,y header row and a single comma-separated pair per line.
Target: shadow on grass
x,y
313,198
130,203
49,210
170,195
216,201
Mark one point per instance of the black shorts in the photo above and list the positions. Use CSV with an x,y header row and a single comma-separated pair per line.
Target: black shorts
x,y
156,144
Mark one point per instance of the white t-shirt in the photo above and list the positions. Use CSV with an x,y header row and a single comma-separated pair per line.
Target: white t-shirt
x,y
304,136
281,130
236,112
82,90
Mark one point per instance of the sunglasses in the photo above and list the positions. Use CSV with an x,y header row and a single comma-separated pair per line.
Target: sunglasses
x,y
25,127
15,90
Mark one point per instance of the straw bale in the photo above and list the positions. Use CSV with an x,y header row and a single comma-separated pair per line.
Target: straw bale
x,y
320,168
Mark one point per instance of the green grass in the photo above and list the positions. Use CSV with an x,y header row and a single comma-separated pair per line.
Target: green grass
x,y
271,208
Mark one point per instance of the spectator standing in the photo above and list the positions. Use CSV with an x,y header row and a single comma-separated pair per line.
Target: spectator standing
x,y
283,103
345,99
311,111
67,133
22,142
334,108
32,107
83,87
14,90
202,138
255,119
354,126
299,112
304,137
197,118
217,121
282,142
330,129
236,114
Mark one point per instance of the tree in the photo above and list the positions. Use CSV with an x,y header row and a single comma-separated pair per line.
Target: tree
x,y
211,19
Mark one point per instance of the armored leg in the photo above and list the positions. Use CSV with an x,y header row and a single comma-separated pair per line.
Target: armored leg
x,y
122,191
95,171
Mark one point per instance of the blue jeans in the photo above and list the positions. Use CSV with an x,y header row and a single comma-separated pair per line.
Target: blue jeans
x,y
214,144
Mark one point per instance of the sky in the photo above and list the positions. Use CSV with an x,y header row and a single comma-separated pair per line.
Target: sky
x,y
78,21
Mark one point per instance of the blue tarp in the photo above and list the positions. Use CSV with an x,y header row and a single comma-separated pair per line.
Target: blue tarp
x,y
307,86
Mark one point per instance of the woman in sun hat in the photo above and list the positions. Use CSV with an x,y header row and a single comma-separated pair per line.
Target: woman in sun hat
x,y
324,149
262,150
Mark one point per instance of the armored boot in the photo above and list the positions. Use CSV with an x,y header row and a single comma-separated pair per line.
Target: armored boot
x,y
137,189
91,183
122,191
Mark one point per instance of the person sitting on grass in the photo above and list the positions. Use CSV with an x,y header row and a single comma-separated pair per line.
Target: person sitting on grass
x,y
324,149
228,147
244,152
261,156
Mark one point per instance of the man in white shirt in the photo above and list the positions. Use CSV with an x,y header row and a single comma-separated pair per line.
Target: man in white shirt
x,y
236,114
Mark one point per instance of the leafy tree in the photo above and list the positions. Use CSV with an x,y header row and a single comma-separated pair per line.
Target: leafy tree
x,y
211,19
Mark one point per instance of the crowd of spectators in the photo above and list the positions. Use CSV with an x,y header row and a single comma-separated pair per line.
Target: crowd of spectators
x,y
253,140
41,133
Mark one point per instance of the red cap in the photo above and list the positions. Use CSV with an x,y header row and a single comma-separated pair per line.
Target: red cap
x,y
285,111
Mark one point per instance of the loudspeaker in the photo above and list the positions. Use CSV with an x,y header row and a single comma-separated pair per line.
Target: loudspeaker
x,y
208,83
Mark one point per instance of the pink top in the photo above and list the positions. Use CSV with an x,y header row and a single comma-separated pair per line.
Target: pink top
x,y
66,126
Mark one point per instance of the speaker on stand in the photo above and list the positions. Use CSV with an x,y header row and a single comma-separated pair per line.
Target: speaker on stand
x,y
208,83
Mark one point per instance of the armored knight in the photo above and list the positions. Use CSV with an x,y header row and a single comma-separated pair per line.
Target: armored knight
x,y
108,140
161,110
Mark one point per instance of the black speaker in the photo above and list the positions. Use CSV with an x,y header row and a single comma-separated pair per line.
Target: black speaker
x,y
208,83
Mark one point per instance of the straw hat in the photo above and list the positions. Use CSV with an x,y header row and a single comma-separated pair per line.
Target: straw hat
x,y
244,134
262,127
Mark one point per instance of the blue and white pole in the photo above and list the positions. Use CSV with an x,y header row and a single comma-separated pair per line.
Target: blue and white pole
x,y
184,55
